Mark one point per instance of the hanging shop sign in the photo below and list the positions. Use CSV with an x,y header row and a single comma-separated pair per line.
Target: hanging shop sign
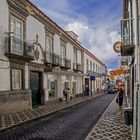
x,y
92,78
117,47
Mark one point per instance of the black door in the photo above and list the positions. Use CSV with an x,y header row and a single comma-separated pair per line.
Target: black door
x,y
36,87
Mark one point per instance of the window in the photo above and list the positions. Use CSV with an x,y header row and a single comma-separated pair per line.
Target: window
x,y
90,65
16,79
87,64
49,48
93,67
63,54
16,27
49,44
52,86
75,56
63,51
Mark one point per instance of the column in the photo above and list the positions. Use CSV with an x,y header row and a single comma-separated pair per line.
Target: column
x,y
60,87
45,87
26,76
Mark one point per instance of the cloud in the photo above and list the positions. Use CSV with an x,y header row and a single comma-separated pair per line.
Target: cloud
x,y
98,41
95,22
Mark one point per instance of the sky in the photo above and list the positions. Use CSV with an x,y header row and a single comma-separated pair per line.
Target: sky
x,y
96,22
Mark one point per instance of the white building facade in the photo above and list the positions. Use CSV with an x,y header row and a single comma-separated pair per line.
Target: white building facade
x,y
94,73
131,51
38,59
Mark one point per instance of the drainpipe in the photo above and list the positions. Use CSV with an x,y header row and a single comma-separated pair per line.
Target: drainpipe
x,y
138,56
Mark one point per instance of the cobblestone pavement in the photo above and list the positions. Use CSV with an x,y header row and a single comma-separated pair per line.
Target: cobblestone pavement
x,y
111,126
73,123
14,119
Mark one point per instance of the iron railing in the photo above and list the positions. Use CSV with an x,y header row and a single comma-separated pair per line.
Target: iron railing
x,y
18,47
77,67
127,31
65,63
124,60
93,73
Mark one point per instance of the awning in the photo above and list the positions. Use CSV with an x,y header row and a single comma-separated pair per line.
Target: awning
x,y
116,72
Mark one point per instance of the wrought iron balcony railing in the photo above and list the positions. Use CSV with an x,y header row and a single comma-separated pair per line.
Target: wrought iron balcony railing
x,y
18,47
77,67
127,36
55,59
49,57
92,73
52,58
14,45
124,60
65,63
127,31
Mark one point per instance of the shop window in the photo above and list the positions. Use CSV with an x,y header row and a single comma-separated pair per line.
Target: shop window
x,y
52,86
16,79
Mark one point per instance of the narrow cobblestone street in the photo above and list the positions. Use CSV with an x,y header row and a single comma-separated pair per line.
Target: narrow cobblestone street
x,y
72,124
111,126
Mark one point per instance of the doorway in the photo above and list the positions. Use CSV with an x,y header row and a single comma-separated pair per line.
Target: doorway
x,y
36,87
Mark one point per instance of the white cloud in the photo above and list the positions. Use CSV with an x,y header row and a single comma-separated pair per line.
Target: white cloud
x,y
99,41
97,30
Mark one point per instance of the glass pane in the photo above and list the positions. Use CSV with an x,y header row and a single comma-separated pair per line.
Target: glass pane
x,y
16,79
49,44
13,79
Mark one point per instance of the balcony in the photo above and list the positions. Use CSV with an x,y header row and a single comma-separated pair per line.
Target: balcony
x,y
124,60
52,58
17,48
127,48
65,63
92,73
77,67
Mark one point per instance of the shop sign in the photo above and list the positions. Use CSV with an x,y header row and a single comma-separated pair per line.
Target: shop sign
x,y
117,47
92,78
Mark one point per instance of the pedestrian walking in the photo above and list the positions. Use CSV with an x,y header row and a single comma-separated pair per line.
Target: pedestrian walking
x,y
65,93
87,90
69,94
119,99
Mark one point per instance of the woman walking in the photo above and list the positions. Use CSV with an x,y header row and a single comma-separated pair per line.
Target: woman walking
x,y
120,98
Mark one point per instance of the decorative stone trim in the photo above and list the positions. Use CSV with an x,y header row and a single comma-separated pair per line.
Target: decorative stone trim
x,y
16,64
19,6
18,12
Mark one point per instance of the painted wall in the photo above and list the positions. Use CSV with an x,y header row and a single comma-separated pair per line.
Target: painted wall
x,y
34,27
4,76
4,14
4,63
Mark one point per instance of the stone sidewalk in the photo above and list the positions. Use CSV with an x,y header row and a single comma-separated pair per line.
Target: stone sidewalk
x,y
111,126
10,120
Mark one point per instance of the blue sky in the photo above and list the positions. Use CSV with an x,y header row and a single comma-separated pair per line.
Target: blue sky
x,y
96,22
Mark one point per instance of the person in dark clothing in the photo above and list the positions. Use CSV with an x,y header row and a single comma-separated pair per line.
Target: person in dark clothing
x,y
65,93
87,90
120,98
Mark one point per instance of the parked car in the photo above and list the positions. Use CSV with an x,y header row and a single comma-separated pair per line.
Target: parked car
x,y
111,90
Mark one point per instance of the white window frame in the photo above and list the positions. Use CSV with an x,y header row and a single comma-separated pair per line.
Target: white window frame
x,y
16,20
16,83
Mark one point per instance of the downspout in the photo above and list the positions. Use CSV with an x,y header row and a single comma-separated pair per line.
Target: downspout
x,y
138,56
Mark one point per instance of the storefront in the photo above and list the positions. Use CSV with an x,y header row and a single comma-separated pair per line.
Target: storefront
x,y
52,86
